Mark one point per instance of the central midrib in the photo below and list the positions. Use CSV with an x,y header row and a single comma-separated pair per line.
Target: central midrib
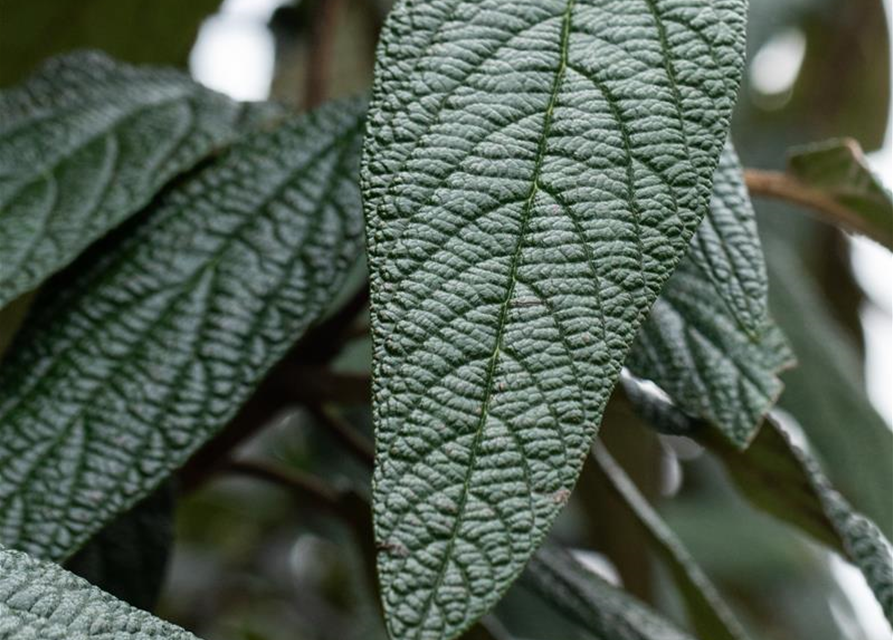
x,y
503,313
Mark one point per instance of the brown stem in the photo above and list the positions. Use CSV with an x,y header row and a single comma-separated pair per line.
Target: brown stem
x,y
346,434
319,60
782,186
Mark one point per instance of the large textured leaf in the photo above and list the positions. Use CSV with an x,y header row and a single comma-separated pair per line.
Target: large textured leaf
x,y
142,31
86,143
709,341
857,457
781,478
40,601
533,171
837,169
709,615
124,372
606,612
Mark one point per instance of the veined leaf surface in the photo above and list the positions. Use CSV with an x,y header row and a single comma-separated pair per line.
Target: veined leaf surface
x,y
709,341
40,601
533,171
156,343
86,143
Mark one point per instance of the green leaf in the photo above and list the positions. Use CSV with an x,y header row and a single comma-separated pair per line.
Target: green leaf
x,y
128,558
157,32
40,601
533,171
826,392
709,615
86,143
124,372
592,603
837,169
784,480
709,341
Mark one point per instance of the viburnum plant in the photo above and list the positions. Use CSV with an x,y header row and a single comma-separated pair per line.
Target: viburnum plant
x,y
554,216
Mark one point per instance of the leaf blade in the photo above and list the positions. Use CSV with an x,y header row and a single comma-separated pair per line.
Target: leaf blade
x,y
470,172
86,143
41,600
709,341
157,342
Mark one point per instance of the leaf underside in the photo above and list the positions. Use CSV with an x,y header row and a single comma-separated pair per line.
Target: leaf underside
x,y
781,478
154,345
593,604
86,143
40,601
709,341
533,171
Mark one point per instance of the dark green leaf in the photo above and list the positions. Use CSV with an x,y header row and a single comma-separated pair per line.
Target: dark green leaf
x,y
781,478
40,601
127,370
709,341
533,171
128,558
141,31
825,394
603,610
86,143
709,615
837,169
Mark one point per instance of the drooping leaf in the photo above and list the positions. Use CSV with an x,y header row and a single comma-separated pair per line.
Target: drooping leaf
x,y
156,32
128,558
825,391
709,615
782,479
837,169
603,610
709,341
533,171
40,601
86,143
126,370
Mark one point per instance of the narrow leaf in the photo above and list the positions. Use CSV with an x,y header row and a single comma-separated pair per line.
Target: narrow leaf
x,y
40,601
826,391
592,603
124,372
782,479
838,170
709,341
709,615
86,143
533,171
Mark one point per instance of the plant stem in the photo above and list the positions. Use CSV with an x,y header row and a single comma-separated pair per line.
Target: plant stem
x,y
319,59
345,434
782,186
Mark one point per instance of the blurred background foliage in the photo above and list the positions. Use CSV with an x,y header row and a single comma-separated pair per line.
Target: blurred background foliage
x,y
247,561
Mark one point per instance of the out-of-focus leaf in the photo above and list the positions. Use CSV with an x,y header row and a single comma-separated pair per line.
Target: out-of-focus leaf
x,y
602,610
825,394
154,344
139,31
533,172
128,558
40,601
709,615
86,143
838,169
779,477
709,341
